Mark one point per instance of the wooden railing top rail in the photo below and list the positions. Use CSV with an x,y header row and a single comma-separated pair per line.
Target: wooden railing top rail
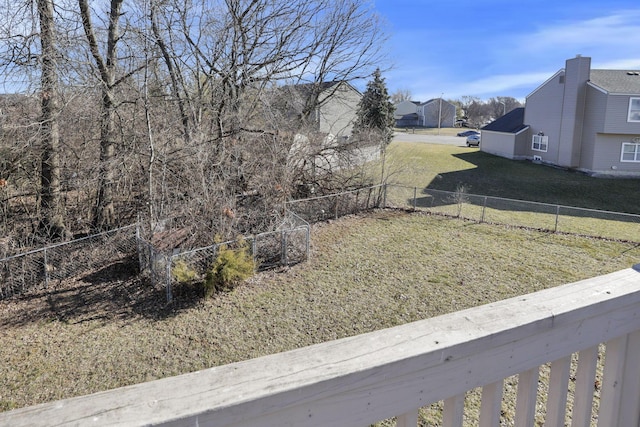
x,y
370,377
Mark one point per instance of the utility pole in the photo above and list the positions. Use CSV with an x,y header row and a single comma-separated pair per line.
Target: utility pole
x,y
440,113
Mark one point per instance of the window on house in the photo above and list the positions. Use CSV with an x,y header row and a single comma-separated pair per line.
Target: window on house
x,y
630,152
540,143
634,110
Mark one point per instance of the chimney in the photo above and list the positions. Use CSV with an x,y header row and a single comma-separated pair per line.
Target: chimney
x,y
577,74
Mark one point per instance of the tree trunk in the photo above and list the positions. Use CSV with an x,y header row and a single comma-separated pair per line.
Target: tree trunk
x,y
51,222
104,215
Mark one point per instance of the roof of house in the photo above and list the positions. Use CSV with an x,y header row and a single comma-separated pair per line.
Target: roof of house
x,y
512,122
444,101
306,89
410,116
617,81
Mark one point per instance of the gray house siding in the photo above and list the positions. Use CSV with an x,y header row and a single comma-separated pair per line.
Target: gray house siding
x,y
337,111
406,114
605,130
617,114
509,145
607,151
543,114
412,113
575,87
433,110
596,103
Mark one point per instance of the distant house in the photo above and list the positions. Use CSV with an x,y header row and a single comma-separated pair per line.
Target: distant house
x,y
406,114
425,114
333,106
583,119
323,142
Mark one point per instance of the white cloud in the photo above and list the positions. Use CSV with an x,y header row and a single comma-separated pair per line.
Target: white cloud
x,y
617,64
609,37
509,63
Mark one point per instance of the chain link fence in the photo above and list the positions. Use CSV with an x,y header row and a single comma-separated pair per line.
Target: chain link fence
x,y
333,206
286,246
38,269
496,210
289,244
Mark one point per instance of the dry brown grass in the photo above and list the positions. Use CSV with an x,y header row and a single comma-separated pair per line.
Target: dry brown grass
x,y
365,273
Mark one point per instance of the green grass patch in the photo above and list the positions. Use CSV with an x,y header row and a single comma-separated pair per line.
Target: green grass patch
x,y
445,167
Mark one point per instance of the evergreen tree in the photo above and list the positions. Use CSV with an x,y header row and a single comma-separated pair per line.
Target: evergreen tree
x,y
375,110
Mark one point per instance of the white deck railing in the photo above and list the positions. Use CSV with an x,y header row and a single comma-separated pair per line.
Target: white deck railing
x,y
367,378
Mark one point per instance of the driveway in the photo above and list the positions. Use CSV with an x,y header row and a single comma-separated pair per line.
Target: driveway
x,y
431,139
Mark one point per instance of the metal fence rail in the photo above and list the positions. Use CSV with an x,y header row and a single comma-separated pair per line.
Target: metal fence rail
x,y
336,205
38,268
290,243
497,210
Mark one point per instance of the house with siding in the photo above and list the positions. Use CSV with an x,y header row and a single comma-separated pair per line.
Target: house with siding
x,y
425,114
580,118
331,107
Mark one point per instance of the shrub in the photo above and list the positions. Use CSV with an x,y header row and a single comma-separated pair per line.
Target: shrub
x,y
182,273
231,267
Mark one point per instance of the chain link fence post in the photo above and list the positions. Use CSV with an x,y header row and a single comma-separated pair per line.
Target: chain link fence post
x,y
384,196
46,268
484,208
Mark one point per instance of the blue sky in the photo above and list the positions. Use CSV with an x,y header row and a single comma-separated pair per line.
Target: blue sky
x,y
488,48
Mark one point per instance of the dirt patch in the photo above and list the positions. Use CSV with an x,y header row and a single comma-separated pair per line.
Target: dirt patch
x,y
113,292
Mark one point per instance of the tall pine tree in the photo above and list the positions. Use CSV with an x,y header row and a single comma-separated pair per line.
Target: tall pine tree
x,y
375,110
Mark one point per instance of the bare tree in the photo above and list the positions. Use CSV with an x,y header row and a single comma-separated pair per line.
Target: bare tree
x,y
401,95
226,65
52,221
106,64
501,105
201,133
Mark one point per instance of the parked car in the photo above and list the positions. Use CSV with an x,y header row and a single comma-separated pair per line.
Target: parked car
x,y
468,133
473,140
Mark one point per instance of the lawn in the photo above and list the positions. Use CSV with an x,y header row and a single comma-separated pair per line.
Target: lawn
x,y
445,167
365,273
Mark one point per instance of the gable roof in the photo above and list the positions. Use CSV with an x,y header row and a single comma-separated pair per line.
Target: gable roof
x,y
307,89
512,122
616,81
444,101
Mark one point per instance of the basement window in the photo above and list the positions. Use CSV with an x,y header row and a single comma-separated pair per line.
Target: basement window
x,y
630,152
634,110
540,143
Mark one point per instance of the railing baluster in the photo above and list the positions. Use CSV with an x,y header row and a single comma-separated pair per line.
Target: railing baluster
x,y
585,377
629,412
526,399
612,380
410,419
557,395
619,399
491,404
453,411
